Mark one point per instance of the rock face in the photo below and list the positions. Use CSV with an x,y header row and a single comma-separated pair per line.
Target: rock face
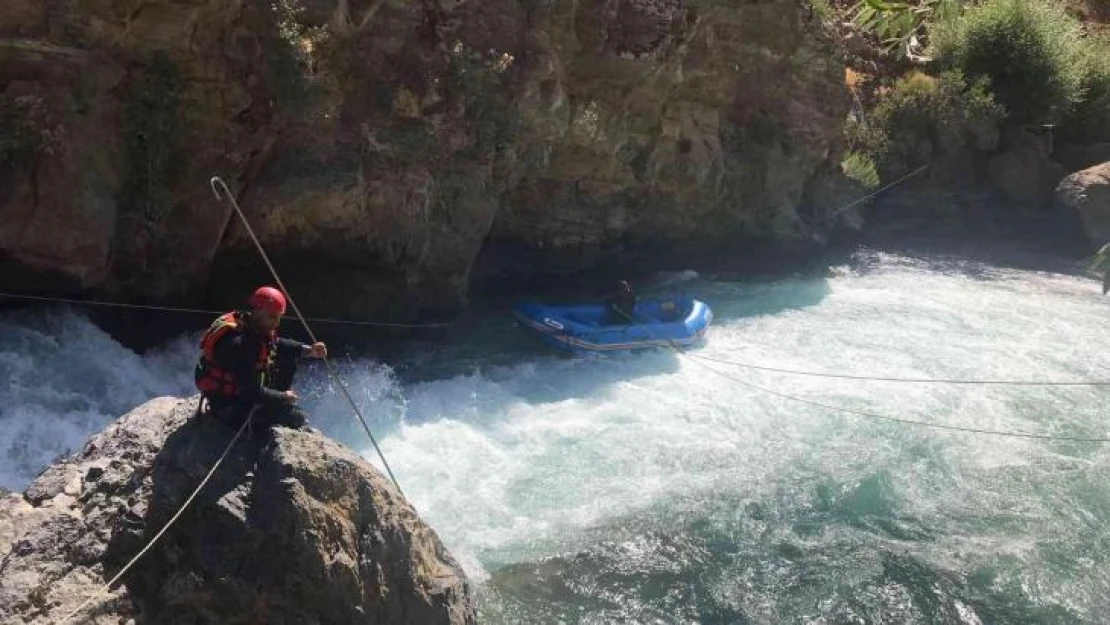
x,y
657,125
299,530
57,169
1026,176
139,103
1088,193
383,146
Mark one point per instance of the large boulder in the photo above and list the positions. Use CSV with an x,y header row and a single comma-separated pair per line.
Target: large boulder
x,y
1026,176
1079,157
291,529
1088,193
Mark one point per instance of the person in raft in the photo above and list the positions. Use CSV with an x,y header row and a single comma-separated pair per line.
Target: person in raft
x,y
622,305
244,364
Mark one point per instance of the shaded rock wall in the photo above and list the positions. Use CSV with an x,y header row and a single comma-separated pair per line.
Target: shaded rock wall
x,y
380,148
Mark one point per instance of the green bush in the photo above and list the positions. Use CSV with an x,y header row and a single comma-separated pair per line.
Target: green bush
x,y
923,117
481,82
1031,51
1089,120
822,10
900,26
861,168
292,56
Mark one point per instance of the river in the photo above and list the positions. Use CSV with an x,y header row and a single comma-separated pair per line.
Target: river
x,y
655,488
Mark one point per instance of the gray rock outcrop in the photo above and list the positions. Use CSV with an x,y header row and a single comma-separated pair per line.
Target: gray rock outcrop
x,y
292,528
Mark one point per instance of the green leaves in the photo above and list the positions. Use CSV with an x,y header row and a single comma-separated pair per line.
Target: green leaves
x,y
861,168
923,117
879,5
900,26
1032,51
1100,267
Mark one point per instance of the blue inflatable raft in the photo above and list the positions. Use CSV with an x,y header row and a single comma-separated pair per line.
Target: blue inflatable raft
x,y
589,328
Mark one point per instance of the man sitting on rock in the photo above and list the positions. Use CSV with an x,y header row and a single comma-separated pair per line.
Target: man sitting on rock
x,y
244,364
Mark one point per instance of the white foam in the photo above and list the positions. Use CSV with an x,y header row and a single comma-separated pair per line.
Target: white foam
x,y
63,379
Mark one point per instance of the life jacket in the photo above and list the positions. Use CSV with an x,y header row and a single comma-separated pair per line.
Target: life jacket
x,y
215,378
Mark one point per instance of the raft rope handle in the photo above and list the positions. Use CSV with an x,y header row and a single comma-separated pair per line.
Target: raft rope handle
x,y
331,368
106,587
86,302
870,415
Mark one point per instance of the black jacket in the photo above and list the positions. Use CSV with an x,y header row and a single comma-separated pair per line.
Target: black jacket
x,y
239,351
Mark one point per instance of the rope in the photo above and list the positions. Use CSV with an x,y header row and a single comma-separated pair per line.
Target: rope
x,y
86,302
103,589
868,378
869,415
331,368
880,190
881,417
816,374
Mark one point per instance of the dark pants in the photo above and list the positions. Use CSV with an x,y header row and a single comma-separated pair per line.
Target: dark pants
x,y
620,314
232,412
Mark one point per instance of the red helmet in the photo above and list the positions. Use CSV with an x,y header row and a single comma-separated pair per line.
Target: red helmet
x,y
269,299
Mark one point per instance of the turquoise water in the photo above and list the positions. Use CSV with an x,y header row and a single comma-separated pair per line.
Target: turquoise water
x,y
652,488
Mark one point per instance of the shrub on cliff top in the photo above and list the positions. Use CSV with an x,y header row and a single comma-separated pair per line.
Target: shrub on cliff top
x,y
923,117
1089,120
1031,51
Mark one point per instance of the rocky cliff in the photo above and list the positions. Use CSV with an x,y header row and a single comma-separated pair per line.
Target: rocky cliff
x,y
295,530
1087,194
381,148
